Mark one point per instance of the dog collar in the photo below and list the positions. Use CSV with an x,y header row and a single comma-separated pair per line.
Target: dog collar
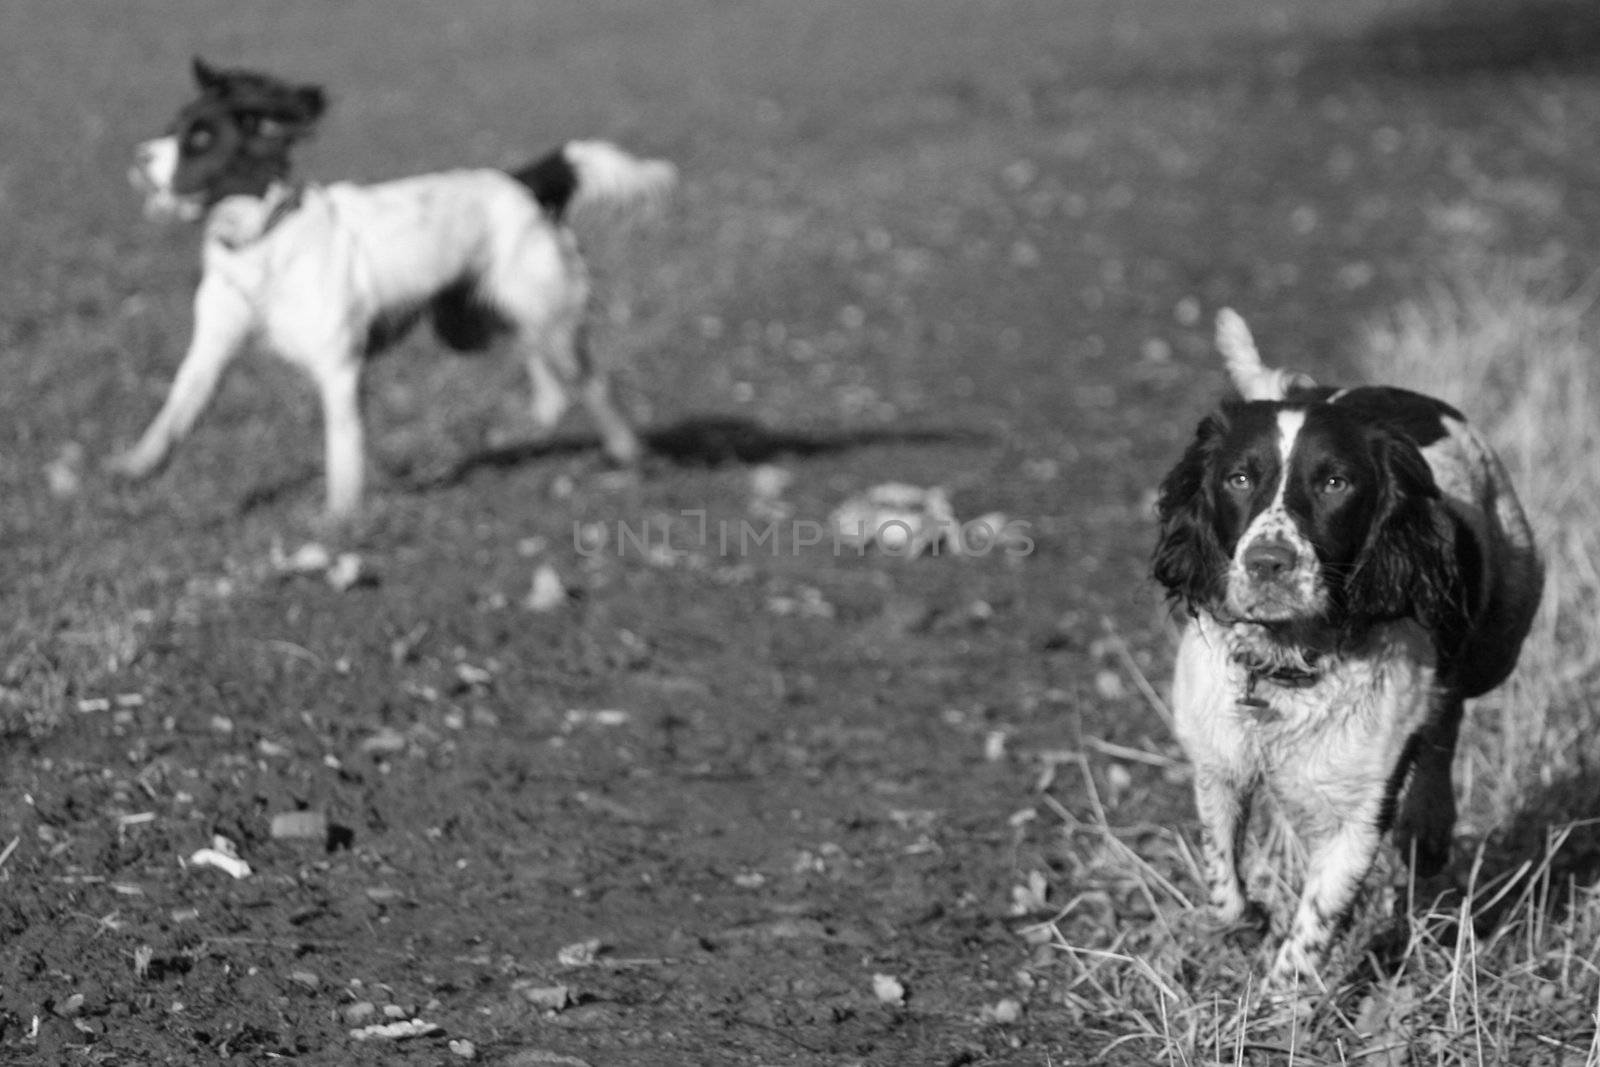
x,y
1282,678
289,200
239,222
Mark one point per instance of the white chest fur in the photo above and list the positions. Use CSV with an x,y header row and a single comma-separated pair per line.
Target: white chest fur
x,y
1321,747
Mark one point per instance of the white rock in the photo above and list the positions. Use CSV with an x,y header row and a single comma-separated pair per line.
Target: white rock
x,y
548,592
580,954
768,481
597,717
347,571
397,1031
223,856
888,989
309,558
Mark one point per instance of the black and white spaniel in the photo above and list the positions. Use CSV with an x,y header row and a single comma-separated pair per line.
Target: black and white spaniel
x,y
1355,565
326,276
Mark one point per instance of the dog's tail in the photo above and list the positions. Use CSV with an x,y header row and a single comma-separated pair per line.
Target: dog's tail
x,y
581,173
1254,379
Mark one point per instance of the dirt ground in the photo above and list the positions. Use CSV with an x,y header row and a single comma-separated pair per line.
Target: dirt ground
x,y
728,801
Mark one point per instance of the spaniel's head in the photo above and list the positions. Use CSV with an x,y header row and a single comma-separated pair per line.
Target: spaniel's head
x,y
233,139
1292,512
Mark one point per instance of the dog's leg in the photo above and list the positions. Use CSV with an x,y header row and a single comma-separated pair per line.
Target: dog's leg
x,y
344,439
594,389
561,355
621,444
550,397
222,322
1224,808
1226,769
1427,815
1338,863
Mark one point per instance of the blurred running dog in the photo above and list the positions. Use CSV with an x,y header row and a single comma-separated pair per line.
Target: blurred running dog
x,y
326,276
1355,565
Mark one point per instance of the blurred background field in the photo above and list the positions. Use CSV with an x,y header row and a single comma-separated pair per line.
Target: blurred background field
x,y
976,245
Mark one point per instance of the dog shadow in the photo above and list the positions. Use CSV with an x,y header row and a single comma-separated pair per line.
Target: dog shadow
x,y
1530,864
703,441
1551,844
719,440
270,494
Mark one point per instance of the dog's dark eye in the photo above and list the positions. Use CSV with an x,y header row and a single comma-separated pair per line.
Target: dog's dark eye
x,y
1335,484
1238,481
199,139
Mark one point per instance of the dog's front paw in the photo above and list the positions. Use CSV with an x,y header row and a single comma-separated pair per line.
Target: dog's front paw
x,y
624,451
1229,904
132,465
1243,930
1294,971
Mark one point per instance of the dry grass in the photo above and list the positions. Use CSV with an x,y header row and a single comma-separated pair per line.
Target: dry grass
x,y
1498,963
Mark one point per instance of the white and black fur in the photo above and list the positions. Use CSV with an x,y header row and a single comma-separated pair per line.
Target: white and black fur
x,y
327,275
1355,565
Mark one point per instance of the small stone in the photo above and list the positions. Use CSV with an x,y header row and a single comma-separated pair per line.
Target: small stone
x,y
347,572
359,1012
299,826
1109,685
888,989
994,745
385,742
768,481
307,559
64,473
548,591
597,717
547,998
223,856
580,954
399,1030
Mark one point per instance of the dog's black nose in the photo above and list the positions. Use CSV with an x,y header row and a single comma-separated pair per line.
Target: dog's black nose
x,y
1267,561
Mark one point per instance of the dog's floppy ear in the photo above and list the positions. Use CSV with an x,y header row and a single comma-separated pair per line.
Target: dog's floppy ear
x,y
1189,561
1409,566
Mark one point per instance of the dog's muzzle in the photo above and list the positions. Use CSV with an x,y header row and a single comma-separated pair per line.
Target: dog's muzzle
x,y
1273,580
155,163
